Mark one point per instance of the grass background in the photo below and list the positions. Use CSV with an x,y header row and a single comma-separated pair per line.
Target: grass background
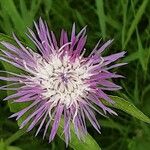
x,y
128,23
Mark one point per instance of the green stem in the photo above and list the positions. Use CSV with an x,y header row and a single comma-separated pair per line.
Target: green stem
x,y
15,136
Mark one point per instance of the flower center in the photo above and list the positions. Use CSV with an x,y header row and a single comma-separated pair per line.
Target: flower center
x,y
62,80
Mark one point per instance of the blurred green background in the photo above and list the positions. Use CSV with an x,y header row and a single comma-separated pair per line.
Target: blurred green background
x,y
128,23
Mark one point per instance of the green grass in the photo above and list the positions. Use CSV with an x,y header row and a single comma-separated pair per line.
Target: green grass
x,y
126,21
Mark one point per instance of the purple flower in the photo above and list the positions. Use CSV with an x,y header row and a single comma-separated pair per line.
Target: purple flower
x,y
59,82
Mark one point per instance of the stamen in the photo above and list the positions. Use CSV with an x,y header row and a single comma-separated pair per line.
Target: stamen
x,y
67,80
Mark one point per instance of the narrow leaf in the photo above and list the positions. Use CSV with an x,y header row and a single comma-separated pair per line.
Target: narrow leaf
x,y
136,21
75,143
101,17
127,107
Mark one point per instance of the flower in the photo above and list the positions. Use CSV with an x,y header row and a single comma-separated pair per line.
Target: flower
x,y
59,82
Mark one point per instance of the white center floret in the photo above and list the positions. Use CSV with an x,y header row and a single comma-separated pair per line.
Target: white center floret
x,y
62,80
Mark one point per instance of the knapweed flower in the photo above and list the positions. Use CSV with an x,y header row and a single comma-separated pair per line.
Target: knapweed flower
x,y
59,82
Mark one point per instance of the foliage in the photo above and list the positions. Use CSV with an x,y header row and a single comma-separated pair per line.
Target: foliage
x,y
126,21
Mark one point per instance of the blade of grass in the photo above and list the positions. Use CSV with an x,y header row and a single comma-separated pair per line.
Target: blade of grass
x,y
80,17
114,125
11,10
101,17
124,6
140,47
136,87
135,22
5,22
23,8
35,4
113,22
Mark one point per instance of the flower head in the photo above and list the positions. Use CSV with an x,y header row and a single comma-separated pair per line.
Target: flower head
x,y
59,82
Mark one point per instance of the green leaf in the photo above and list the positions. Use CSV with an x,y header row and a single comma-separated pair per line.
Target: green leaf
x,y
101,17
4,37
109,123
127,107
11,10
75,143
136,20
15,136
4,146
13,148
143,59
138,143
